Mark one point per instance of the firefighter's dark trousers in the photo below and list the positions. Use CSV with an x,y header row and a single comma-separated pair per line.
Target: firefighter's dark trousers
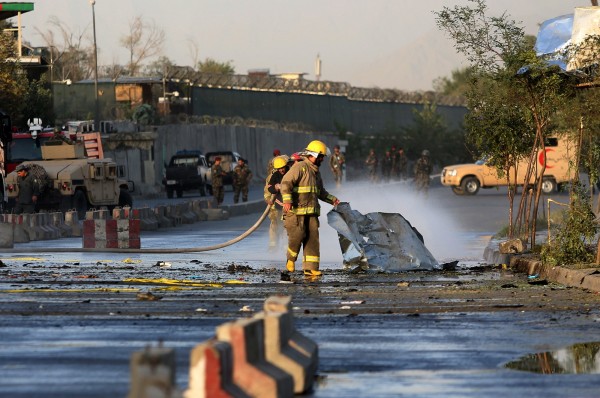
x,y
303,232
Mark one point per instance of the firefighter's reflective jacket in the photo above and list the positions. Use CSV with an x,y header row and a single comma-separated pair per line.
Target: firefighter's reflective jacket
x,y
302,186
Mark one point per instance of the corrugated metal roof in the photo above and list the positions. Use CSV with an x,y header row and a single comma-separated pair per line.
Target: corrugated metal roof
x,y
11,9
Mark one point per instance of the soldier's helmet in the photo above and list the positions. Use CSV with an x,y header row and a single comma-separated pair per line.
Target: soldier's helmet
x,y
425,152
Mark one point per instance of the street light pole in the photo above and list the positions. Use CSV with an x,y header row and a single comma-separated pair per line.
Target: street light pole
x,y
96,108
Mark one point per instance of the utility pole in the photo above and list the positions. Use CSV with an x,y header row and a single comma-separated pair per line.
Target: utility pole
x,y
318,68
96,107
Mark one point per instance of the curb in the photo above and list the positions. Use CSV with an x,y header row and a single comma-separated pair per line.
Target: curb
x,y
587,278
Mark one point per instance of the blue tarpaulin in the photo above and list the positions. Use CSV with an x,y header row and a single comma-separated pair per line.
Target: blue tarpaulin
x,y
553,36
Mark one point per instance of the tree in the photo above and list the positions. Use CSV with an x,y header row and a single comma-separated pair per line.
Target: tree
x,y
37,102
429,131
209,65
71,57
13,83
458,84
143,41
194,50
512,99
163,66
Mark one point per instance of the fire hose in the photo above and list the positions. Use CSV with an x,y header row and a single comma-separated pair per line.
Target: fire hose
x,y
148,251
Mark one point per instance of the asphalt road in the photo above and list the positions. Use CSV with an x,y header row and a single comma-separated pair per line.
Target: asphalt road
x,y
69,322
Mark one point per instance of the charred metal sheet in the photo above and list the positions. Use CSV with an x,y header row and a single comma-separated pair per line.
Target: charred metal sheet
x,y
379,241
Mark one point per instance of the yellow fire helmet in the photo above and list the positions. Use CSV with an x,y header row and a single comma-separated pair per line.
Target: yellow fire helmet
x,y
279,162
318,147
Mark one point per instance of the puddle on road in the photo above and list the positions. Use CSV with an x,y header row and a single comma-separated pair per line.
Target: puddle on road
x,y
576,359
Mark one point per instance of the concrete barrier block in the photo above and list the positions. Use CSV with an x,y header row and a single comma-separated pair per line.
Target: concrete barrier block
x,y
286,347
172,213
97,214
251,372
216,214
211,372
149,221
197,208
152,373
72,221
161,216
7,240
279,331
30,226
187,216
20,233
58,220
45,223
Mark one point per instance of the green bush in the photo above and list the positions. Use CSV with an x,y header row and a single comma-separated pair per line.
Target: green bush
x,y
573,236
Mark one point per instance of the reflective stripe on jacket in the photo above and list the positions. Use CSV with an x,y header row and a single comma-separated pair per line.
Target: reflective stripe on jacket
x,y
302,186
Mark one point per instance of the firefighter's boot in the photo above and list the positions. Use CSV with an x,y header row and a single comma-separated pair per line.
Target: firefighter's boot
x,y
290,266
312,272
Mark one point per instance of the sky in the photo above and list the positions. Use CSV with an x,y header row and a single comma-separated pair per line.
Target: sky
x,y
368,43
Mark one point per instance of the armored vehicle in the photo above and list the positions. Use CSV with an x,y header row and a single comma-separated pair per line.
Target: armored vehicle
x,y
74,181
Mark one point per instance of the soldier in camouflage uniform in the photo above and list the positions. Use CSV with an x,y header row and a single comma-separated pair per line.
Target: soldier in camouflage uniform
x,y
29,190
336,163
371,163
386,166
401,165
242,176
217,174
423,168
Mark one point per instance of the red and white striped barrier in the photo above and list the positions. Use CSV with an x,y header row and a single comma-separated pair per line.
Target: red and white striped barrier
x,y
211,372
122,233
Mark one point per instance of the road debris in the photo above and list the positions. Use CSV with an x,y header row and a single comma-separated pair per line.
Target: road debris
x,y
163,264
379,241
147,296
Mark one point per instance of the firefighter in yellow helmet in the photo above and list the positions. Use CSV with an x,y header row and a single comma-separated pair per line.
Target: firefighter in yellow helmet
x,y
279,168
301,190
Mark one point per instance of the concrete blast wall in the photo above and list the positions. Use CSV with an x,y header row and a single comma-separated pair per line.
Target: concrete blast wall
x,y
144,165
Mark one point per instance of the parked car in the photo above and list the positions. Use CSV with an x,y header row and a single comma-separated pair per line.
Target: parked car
x,y
229,160
466,179
187,170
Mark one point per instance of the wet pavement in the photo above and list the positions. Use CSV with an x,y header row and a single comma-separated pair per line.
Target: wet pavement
x,y
70,321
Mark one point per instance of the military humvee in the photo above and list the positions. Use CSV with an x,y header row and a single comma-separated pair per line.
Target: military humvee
x,y
74,180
